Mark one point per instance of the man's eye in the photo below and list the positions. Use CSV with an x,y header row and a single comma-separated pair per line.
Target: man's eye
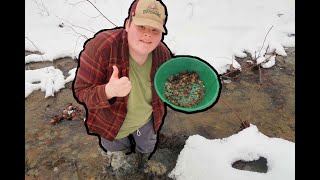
x,y
141,27
155,30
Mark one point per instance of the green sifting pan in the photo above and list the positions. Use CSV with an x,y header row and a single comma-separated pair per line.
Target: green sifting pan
x,y
207,74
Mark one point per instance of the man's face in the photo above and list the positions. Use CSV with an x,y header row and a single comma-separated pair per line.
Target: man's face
x,y
142,39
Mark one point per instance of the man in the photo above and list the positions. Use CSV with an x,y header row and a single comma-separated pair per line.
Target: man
x,y
115,80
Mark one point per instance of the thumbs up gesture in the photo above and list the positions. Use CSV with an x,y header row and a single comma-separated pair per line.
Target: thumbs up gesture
x,y
117,87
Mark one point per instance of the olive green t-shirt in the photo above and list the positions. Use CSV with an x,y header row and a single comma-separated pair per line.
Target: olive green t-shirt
x,y
140,99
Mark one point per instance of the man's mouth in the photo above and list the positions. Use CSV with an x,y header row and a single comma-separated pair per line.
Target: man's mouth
x,y
145,41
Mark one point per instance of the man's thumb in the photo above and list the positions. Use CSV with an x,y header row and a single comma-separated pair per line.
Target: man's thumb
x,y
115,72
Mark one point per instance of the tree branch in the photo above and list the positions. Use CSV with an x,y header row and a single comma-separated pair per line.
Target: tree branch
x,y
36,47
75,25
264,40
101,13
247,69
74,4
74,50
42,7
77,32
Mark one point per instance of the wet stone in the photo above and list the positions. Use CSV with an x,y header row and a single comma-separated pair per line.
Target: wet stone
x,y
74,152
33,172
83,155
66,150
75,138
26,146
41,138
231,86
162,162
123,164
93,155
155,168
32,157
259,165
65,145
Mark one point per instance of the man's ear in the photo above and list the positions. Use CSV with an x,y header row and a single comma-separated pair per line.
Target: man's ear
x,y
127,24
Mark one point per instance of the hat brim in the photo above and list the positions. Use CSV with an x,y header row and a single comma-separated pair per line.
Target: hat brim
x,y
148,22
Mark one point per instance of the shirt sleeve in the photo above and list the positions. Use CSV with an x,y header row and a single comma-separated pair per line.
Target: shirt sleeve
x,y
90,81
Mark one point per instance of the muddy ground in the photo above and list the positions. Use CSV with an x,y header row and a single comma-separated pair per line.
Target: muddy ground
x,y
65,151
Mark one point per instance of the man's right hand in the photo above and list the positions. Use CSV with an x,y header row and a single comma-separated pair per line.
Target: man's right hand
x,y
117,87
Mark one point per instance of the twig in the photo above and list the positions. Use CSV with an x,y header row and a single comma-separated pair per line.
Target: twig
x,y
74,50
266,50
260,76
36,47
232,63
75,25
265,40
101,13
42,8
77,32
255,58
245,70
75,3
93,17
234,113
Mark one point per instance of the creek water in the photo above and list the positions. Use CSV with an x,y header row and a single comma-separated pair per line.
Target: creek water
x,y
66,151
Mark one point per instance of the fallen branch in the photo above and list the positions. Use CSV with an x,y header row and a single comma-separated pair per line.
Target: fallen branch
x,y
255,58
70,112
245,70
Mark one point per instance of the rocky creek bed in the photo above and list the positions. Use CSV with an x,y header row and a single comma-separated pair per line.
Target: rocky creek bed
x,y
66,151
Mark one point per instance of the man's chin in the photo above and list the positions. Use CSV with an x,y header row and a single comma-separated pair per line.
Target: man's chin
x,y
145,50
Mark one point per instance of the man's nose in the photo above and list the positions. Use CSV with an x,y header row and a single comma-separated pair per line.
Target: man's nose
x,y
147,33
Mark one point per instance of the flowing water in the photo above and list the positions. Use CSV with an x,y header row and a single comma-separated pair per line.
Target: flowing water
x,y
66,151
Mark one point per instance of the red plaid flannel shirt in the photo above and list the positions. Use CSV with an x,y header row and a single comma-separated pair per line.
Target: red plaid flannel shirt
x,y
108,48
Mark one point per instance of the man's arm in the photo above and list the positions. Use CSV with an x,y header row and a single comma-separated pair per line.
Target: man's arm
x,y
92,85
90,81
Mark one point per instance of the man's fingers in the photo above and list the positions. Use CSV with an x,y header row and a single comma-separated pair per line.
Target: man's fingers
x,y
126,92
115,72
123,80
127,85
126,88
